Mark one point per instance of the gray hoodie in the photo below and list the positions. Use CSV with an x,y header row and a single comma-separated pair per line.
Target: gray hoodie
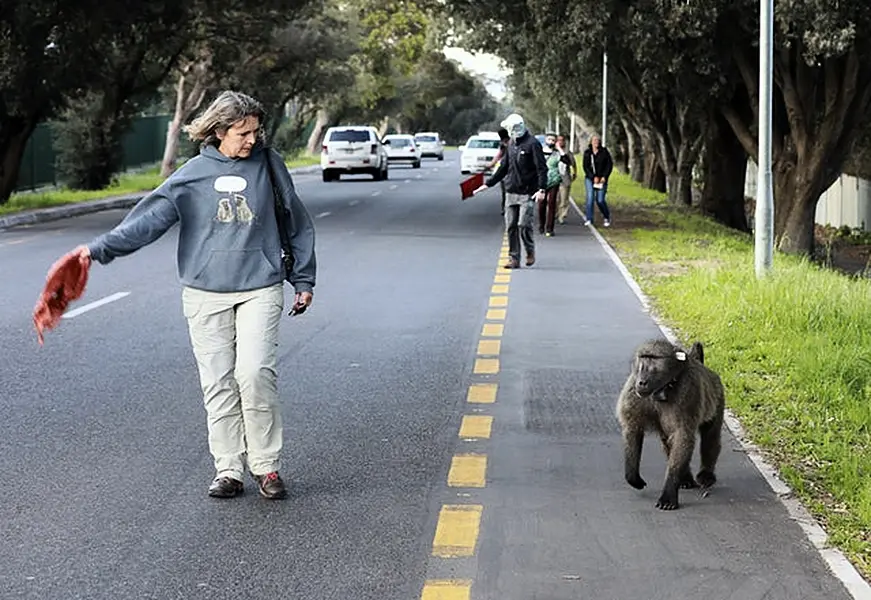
x,y
228,237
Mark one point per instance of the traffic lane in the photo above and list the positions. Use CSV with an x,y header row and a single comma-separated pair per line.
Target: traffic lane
x,y
27,252
107,447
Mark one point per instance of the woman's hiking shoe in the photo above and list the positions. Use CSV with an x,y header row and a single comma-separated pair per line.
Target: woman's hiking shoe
x,y
271,486
225,487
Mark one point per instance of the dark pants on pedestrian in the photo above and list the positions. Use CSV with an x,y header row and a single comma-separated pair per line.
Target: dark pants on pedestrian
x,y
519,220
502,188
547,210
599,197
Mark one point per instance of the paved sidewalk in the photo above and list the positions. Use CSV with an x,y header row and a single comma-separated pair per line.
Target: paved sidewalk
x,y
559,522
65,211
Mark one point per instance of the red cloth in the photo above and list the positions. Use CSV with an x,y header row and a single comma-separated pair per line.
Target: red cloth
x,y
64,283
468,186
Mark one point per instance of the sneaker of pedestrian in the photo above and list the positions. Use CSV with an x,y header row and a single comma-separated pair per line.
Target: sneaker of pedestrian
x,y
511,264
271,486
548,234
530,259
607,222
586,222
225,487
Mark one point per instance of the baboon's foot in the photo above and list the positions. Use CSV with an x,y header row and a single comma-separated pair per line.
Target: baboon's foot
x,y
706,478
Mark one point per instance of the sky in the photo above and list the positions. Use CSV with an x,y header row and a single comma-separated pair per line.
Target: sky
x,y
483,64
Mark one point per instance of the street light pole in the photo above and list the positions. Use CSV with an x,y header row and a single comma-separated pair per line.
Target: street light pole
x,y
603,133
764,221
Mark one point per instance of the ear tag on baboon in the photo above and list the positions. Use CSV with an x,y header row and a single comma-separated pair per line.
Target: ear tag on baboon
x,y
680,356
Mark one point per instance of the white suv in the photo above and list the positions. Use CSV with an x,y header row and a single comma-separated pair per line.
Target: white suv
x,y
353,149
430,144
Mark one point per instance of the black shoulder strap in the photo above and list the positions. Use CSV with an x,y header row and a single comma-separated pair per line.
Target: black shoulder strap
x,y
280,216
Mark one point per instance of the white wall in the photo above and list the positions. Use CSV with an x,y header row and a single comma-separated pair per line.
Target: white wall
x,y
846,202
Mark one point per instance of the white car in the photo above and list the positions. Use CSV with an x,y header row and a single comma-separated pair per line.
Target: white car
x,y
402,148
430,144
479,151
351,150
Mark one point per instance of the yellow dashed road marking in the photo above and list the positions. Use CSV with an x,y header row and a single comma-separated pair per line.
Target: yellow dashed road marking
x,y
496,314
486,366
476,427
502,279
468,470
489,347
482,393
498,300
493,330
447,589
499,289
457,530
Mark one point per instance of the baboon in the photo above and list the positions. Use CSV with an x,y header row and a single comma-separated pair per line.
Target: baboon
x,y
671,392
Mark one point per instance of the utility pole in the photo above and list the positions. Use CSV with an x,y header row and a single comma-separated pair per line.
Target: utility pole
x,y
556,130
572,134
764,221
604,131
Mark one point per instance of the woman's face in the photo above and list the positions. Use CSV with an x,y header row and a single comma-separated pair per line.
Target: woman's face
x,y
239,139
595,142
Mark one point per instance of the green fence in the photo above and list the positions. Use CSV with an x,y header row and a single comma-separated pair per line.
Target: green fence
x,y
142,145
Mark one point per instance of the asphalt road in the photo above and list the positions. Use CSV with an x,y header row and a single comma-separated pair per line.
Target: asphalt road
x,y
105,465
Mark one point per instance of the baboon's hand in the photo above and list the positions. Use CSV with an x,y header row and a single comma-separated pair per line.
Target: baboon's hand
x,y
636,481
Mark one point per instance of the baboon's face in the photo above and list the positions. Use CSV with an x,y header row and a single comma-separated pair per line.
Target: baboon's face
x,y
655,370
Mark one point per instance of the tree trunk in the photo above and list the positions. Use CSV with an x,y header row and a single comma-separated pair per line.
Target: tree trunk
x,y
199,76
653,173
382,130
797,189
725,169
170,150
317,134
679,185
635,156
14,134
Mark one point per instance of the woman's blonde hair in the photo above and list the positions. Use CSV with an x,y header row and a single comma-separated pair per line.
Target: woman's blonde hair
x,y
228,108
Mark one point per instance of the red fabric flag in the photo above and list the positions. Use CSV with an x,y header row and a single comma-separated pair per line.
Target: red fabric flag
x,y
65,282
468,186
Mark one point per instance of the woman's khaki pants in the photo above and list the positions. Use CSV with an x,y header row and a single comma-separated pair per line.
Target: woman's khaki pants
x,y
235,342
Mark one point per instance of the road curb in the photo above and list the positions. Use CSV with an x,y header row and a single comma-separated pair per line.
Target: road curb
x,y
66,211
837,562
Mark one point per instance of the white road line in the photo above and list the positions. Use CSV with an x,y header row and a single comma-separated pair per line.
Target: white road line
x,y
837,562
394,186
323,214
378,193
418,177
89,307
355,202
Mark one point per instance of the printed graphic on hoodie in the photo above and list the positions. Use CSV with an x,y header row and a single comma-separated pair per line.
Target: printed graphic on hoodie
x,y
234,206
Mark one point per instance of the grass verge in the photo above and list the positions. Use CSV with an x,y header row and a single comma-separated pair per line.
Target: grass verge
x,y
793,349
128,183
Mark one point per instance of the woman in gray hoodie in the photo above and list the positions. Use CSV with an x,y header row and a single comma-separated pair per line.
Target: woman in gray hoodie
x,y
230,266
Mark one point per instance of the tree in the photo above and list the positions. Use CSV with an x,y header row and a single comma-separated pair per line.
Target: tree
x,y
38,69
822,94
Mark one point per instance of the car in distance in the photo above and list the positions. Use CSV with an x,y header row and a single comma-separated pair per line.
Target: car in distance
x,y
352,150
430,144
478,152
402,148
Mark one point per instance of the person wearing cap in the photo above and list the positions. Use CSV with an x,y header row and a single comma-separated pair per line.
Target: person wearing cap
x,y
524,170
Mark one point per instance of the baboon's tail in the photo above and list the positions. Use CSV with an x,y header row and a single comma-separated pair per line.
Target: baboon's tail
x,y
697,351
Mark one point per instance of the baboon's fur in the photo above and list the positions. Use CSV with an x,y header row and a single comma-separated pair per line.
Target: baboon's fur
x,y
671,392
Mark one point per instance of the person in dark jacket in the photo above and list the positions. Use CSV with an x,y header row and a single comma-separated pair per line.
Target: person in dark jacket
x,y
597,170
525,173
